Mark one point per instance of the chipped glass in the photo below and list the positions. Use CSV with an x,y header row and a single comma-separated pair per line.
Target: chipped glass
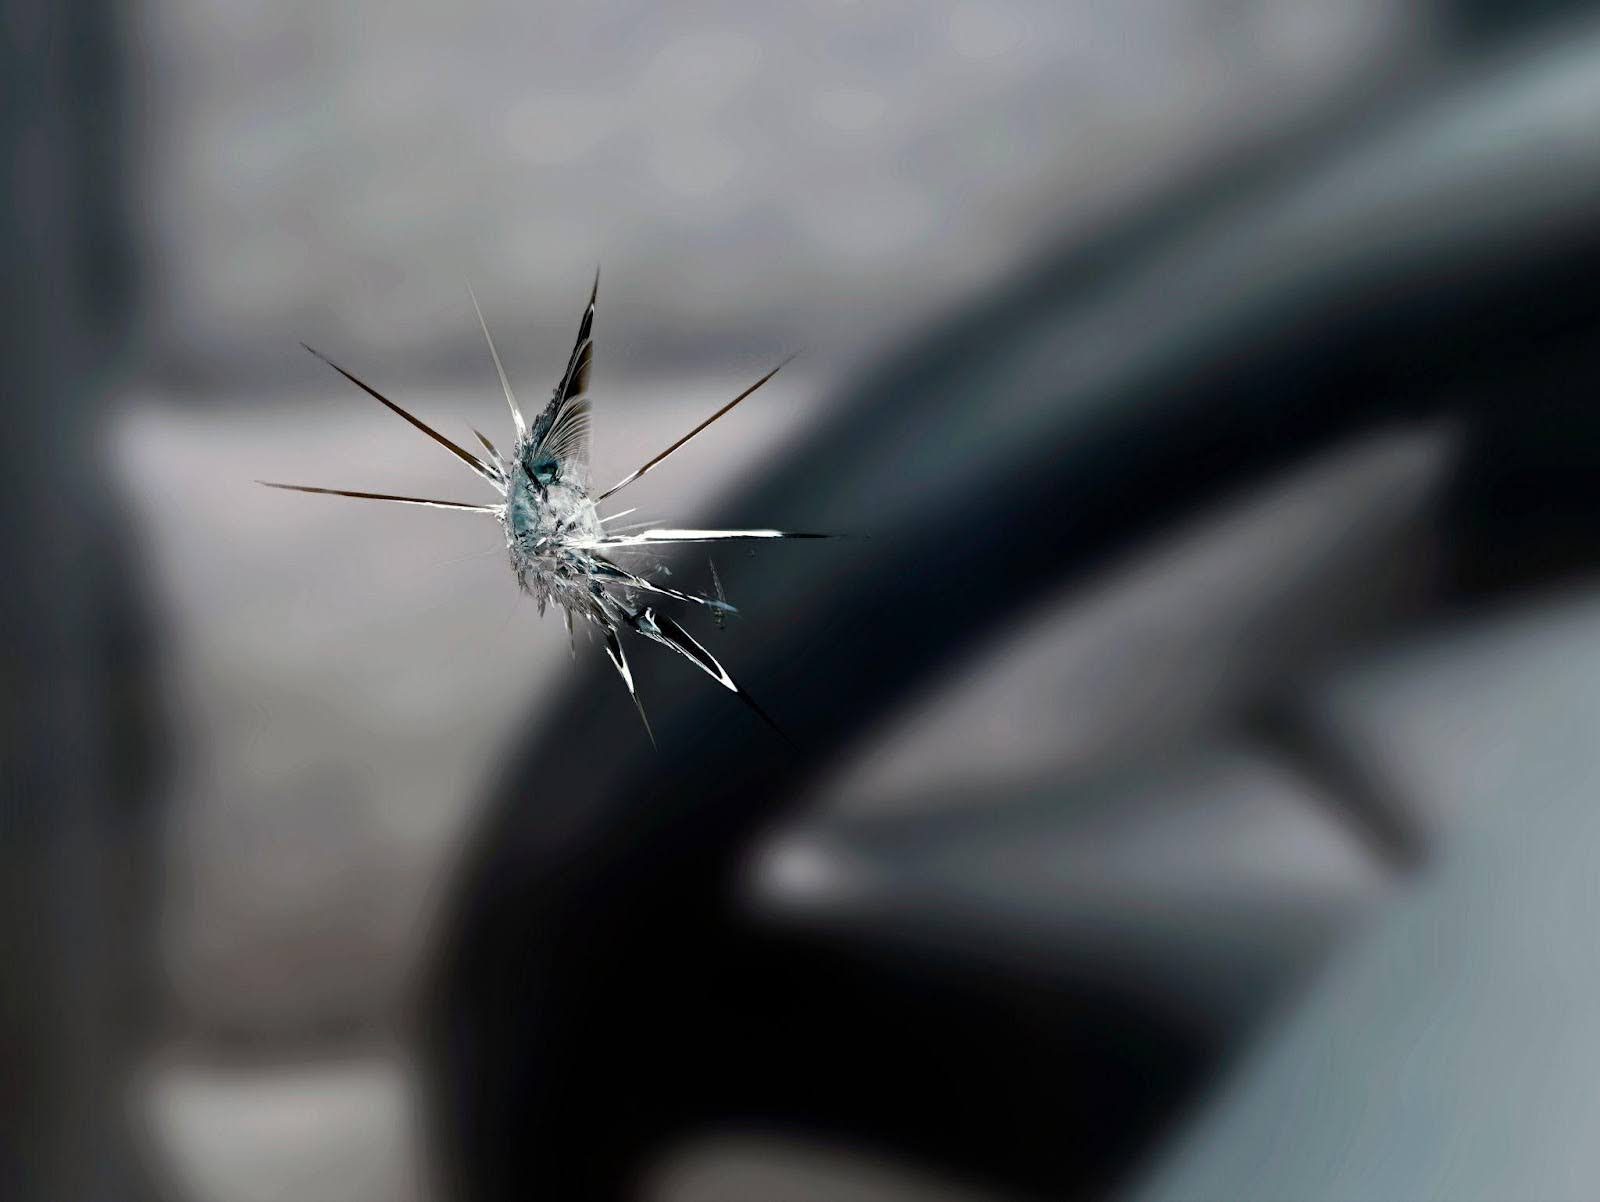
x,y
561,548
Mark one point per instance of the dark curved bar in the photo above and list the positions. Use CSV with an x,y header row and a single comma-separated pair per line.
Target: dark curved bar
x,y
594,993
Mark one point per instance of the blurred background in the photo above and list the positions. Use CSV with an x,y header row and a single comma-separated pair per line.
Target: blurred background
x,y
247,735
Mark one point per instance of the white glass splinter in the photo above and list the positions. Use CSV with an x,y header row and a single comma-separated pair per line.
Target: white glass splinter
x,y
557,541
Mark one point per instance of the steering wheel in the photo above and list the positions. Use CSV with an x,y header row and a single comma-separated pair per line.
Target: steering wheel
x,y
597,991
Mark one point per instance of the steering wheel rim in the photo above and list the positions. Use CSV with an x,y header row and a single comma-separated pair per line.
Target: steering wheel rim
x,y
587,948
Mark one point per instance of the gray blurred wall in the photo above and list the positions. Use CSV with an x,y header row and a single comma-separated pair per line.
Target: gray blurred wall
x,y
754,176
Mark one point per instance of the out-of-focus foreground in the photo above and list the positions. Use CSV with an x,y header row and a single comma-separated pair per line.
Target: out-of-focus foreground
x,y
1239,512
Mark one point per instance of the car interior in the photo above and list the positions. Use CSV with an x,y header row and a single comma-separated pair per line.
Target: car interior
x,y
1189,734
1287,481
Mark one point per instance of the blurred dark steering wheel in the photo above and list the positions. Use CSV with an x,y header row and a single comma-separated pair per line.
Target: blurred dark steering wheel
x,y
597,994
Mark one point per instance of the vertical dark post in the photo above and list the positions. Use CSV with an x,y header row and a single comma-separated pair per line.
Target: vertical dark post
x,y
72,834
